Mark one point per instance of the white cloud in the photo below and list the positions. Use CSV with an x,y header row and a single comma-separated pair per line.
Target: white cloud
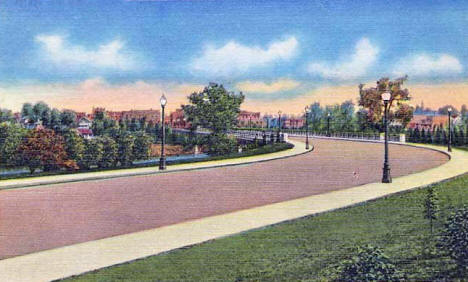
x,y
424,64
234,58
355,66
66,55
262,87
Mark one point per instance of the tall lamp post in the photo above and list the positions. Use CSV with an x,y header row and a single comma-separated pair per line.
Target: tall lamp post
x,y
449,143
328,124
386,178
162,160
279,127
307,111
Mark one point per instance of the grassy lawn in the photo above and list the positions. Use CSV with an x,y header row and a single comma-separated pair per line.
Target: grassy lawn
x,y
310,248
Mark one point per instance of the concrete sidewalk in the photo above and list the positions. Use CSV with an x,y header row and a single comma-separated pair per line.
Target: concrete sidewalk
x,y
75,259
299,148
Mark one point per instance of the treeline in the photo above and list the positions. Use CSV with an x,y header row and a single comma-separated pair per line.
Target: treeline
x,y
48,150
439,135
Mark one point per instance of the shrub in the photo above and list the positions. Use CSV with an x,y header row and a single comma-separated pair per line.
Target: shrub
x,y
431,207
455,238
221,144
370,264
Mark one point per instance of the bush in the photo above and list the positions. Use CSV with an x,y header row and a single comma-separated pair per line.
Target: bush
x,y
221,144
370,264
455,238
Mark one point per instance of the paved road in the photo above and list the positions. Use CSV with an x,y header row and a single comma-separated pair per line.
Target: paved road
x,y
46,217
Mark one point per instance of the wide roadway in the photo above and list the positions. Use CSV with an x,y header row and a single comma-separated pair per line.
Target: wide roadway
x,y
45,217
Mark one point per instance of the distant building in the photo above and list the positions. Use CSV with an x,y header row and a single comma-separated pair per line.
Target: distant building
x,y
249,119
293,122
84,123
150,115
177,119
86,133
428,122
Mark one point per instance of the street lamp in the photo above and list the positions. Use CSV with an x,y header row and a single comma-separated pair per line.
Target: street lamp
x,y
449,145
162,160
386,178
307,111
328,124
279,127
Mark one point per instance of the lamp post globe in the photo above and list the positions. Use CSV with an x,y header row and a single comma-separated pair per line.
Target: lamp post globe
x,y
162,159
449,143
386,177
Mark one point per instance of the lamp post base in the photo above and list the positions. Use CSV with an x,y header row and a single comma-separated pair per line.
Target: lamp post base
x,y
386,178
162,163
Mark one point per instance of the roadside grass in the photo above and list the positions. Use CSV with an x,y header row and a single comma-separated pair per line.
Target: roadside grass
x,y
311,248
267,149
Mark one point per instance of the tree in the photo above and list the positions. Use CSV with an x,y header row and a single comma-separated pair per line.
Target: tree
x,y
6,115
444,110
41,112
371,100
216,109
55,120
110,151
315,116
125,142
74,145
142,147
454,239
370,264
92,154
11,136
42,148
68,118
431,207
27,111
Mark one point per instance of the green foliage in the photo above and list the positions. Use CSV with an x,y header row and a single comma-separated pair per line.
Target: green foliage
x,y
126,143
214,108
11,136
74,145
92,154
221,144
142,147
42,148
109,152
68,118
455,238
431,207
370,264
6,115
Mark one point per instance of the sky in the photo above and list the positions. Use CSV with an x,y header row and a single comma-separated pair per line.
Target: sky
x,y
282,55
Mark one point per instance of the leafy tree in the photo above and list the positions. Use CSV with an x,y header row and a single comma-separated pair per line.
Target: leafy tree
x,y
455,238
370,264
142,147
6,115
371,100
431,207
41,112
126,143
110,151
315,116
27,111
444,110
55,120
11,136
216,109
42,148
68,118
74,145
93,153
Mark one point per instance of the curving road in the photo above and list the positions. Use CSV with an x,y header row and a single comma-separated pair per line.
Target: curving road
x,y
40,218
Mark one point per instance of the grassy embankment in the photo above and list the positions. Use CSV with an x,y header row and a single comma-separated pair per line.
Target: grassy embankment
x,y
311,248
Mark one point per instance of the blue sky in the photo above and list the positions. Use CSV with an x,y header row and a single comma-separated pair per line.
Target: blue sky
x,y
305,44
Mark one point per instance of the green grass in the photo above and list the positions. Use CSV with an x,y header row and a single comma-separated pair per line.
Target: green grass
x,y
270,148
310,248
